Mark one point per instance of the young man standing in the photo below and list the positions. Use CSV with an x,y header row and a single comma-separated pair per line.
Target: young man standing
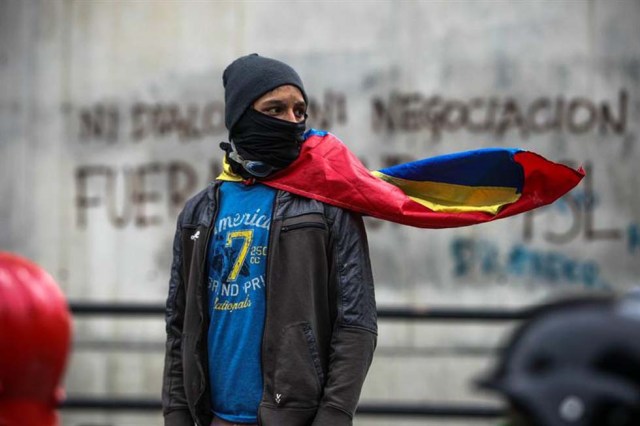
x,y
271,314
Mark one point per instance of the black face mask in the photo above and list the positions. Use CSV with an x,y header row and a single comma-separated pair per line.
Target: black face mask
x,y
265,144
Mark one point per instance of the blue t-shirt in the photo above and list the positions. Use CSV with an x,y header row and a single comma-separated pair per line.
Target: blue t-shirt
x,y
237,266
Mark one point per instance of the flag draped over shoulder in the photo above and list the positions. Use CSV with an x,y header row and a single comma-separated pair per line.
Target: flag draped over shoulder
x,y
440,192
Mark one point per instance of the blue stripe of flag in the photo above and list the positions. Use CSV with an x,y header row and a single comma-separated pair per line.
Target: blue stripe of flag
x,y
481,167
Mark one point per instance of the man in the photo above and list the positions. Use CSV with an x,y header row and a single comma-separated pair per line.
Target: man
x,y
271,314
35,338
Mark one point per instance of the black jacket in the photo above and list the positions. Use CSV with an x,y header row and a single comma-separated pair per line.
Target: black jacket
x,y
320,327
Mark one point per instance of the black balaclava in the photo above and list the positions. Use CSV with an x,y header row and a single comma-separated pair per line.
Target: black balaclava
x,y
256,136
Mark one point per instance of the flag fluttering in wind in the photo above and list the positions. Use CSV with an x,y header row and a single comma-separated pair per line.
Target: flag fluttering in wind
x,y
447,191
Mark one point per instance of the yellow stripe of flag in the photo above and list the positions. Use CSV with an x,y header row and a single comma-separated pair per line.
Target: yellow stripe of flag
x,y
452,198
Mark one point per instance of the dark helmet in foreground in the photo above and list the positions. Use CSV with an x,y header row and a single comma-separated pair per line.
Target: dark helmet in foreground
x,y
574,363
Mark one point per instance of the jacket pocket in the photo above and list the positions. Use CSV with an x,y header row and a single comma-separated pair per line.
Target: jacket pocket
x,y
307,221
298,378
293,227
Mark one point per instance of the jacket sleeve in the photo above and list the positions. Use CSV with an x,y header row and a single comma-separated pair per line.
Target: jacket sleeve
x,y
355,331
174,403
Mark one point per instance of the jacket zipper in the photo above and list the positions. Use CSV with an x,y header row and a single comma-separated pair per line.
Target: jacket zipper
x,y
205,261
266,293
205,306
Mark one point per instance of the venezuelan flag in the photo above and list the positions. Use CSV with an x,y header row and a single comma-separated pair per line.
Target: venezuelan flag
x,y
441,192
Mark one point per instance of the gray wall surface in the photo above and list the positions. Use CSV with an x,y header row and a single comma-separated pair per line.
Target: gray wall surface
x,y
111,114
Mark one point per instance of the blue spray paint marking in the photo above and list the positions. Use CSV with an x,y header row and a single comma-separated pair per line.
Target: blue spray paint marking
x,y
472,256
553,267
633,238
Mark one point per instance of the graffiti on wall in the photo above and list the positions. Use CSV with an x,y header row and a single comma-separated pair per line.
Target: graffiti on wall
x,y
399,113
413,112
111,123
580,206
633,238
483,258
148,194
580,222
584,213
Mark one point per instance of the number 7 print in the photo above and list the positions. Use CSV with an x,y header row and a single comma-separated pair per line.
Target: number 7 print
x,y
247,236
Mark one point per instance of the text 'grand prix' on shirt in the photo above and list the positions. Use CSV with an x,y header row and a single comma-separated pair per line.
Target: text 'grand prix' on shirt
x,y
236,288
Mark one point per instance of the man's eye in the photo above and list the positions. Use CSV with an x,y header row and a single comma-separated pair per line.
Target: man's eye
x,y
300,113
274,110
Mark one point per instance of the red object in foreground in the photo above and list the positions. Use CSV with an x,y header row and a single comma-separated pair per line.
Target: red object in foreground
x,y
35,337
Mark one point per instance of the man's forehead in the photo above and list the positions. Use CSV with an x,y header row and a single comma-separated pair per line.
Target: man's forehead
x,y
282,92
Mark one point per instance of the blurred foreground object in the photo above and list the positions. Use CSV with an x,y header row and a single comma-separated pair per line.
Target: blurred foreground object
x,y
35,336
575,362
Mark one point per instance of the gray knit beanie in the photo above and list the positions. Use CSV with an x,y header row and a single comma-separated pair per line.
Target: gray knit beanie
x,y
249,77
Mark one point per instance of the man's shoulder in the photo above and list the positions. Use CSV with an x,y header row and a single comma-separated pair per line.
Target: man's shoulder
x,y
299,204
194,206
203,193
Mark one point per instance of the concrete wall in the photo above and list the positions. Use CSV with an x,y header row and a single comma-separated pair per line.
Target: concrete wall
x,y
111,112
